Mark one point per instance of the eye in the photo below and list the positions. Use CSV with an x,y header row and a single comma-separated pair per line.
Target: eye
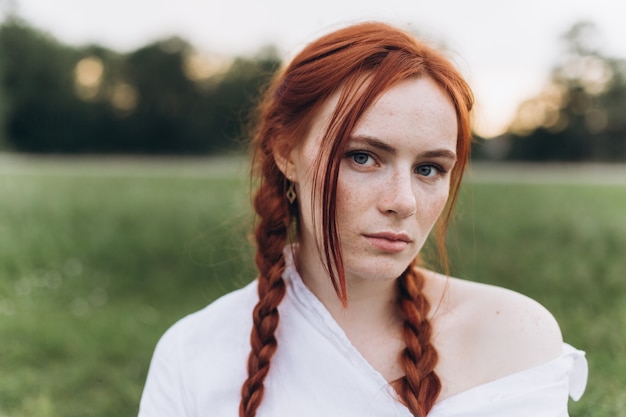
x,y
361,158
427,170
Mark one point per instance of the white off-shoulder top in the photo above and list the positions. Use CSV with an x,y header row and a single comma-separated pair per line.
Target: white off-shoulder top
x,y
199,366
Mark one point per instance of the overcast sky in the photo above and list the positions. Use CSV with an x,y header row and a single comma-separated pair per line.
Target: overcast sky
x,y
504,47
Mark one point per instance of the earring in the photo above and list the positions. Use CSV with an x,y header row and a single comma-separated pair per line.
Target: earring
x,y
291,193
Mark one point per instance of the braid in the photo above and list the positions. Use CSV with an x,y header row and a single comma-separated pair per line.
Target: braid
x,y
420,386
271,237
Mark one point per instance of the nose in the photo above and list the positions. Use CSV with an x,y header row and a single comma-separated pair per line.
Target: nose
x,y
398,196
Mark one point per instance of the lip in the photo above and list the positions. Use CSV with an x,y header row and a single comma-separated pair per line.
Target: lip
x,y
390,242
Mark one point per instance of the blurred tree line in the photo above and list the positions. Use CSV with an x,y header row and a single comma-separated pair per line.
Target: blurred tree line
x,y
163,98
579,116
167,98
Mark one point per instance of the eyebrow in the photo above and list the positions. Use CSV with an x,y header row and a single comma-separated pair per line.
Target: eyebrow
x,y
380,145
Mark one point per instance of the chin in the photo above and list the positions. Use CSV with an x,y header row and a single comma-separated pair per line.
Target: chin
x,y
378,268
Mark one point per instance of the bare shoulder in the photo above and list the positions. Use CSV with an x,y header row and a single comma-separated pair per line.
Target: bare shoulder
x,y
496,331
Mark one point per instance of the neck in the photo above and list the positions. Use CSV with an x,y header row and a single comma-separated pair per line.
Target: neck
x,y
371,321
372,304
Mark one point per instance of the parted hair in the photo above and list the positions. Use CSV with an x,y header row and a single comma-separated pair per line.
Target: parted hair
x,y
360,62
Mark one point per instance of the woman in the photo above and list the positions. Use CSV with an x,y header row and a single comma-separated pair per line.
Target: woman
x,y
360,148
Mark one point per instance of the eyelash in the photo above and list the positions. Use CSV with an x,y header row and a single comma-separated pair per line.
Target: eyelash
x,y
354,154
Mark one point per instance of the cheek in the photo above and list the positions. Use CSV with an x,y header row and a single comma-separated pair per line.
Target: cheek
x,y
342,205
352,197
435,203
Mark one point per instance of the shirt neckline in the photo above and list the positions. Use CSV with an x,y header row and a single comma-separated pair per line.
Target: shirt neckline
x,y
307,301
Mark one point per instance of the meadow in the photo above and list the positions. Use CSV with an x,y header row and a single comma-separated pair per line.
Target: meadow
x,y
98,257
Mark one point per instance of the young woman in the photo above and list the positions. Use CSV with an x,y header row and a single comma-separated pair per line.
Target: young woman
x,y
360,148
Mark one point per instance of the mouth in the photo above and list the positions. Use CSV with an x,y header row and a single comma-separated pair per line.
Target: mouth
x,y
390,242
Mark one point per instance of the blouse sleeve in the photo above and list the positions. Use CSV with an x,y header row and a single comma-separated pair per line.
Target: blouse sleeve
x,y
578,374
541,391
164,393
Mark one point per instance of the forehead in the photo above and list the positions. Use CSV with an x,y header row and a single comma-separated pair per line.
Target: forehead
x,y
416,108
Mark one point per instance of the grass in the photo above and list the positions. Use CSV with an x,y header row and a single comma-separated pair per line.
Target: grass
x,y
98,258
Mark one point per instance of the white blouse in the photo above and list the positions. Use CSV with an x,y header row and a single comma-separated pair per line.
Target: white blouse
x,y
199,366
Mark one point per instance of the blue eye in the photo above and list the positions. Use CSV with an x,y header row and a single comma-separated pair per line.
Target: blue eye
x,y
427,170
360,158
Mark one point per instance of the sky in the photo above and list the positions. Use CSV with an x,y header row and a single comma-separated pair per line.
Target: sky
x,y
505,48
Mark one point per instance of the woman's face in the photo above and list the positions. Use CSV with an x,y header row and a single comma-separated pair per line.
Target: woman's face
x,y
394,180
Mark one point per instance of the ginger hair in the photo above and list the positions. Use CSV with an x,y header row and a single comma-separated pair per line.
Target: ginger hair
x,y
361,62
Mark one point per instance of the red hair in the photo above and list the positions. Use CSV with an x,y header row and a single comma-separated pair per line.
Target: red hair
x,y
361,62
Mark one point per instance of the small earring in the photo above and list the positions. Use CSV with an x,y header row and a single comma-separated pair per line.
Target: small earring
x,y
291,193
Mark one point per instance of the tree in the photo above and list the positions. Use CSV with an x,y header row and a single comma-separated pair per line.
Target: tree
x,y
37,78
579,115
163,99
232,94
3,108
65,99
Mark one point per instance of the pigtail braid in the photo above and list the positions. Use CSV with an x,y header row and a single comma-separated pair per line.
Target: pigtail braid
x,y
271,237
420,386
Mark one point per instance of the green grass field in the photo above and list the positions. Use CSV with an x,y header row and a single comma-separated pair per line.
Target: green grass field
x,y
99,257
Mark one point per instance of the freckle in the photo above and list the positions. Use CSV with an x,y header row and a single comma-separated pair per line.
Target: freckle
x,y
497,312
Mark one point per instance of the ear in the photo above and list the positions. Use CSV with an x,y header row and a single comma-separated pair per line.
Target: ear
x,y
284,161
